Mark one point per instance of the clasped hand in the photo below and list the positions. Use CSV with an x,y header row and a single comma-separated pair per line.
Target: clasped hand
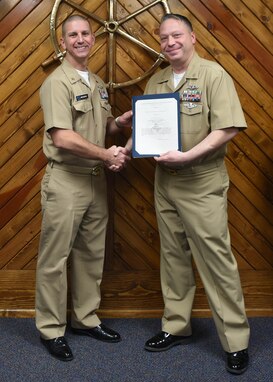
x,y
117,158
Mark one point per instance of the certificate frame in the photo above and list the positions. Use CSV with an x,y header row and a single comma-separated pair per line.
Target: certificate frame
x,y
154,131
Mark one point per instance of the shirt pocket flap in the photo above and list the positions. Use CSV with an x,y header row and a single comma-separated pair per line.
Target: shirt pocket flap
x,y
83,106
105,105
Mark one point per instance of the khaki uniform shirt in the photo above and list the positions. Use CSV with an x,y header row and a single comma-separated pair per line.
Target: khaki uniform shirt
x,y
68,102
208,101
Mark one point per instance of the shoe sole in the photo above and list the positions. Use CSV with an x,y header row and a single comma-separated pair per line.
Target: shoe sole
x,y
236,372
179,342
61,359
96,338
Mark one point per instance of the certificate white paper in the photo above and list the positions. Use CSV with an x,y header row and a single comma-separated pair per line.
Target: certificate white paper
x,y
156,124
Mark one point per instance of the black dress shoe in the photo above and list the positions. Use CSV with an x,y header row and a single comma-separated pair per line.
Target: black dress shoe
x,y
59,348
237,362
164,341
100,332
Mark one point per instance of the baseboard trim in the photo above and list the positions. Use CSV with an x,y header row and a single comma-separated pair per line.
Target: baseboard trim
x,y
132,313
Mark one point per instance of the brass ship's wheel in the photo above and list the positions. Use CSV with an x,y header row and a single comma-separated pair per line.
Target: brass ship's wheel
x,y
112,26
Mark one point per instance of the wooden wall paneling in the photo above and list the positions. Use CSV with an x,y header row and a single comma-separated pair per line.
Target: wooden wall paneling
x,y
243,264
137,239
248,188
20,198
121,259
23,40
23,236
19,98
256,146
268,4
145,24
22,138
250,211
123,101
249,19
26,69
254,238
15,16
136,200
133,68
140,184
236,34
16,183
18,221
241,34
127,52
100,54
22,156
6,7
25,256
251,108
247,251
145,231
249,169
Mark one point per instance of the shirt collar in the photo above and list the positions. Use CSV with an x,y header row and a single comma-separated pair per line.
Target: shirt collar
x,y
191,73
72,73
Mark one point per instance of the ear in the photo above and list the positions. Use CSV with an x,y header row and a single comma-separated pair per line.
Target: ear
x,y
193,38
62,43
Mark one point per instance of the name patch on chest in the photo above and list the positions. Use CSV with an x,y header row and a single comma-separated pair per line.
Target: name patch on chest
x,y
81,97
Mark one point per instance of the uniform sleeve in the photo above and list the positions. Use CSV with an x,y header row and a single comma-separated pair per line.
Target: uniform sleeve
x,y
56,104
150,87
147,88
225,106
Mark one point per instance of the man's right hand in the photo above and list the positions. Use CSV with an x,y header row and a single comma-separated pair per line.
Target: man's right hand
x,y
117,158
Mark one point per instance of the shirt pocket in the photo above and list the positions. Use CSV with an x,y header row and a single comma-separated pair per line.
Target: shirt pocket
x,y
191,117
82,112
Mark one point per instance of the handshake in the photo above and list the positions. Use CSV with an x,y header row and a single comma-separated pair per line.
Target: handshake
x,y
117,158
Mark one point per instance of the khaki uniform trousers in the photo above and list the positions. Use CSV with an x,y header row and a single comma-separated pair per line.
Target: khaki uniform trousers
x,y
75,214
191,207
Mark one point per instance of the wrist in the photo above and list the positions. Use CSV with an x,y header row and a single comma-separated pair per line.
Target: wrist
x,y
118,124
104,154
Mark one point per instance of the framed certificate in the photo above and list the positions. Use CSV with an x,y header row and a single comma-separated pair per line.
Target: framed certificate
x,y
156,124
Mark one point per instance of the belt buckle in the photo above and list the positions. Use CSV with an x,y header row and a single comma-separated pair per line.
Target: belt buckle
x,y
96,170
